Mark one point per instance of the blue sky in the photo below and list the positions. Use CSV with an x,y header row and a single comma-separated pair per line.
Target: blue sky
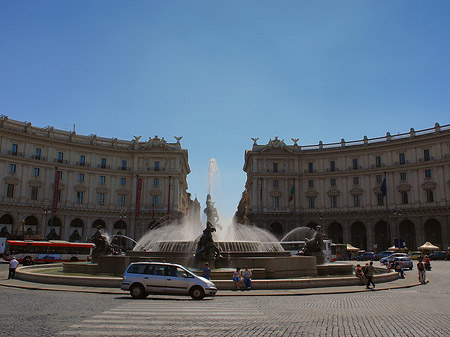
x,y
221,72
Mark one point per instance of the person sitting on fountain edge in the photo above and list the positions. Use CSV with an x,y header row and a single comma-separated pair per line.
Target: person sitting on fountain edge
x,y
247,275
206,271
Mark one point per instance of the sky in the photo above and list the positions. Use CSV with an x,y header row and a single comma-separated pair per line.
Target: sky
x,y
221,72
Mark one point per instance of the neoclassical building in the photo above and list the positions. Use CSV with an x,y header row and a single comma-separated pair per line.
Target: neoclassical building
x,y
121,186
340,187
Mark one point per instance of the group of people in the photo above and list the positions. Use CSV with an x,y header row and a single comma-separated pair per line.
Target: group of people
x,y
238,276
365,274
395,266
245,275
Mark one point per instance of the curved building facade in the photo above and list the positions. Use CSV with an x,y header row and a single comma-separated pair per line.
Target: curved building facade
x,y
370,193
121,186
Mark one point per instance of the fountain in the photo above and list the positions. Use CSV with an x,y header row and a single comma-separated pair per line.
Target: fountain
x,y
188,242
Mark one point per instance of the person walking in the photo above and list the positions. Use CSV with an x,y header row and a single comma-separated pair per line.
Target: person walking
x,y
421,271
247,274
237,278
369,271
206,271
12,267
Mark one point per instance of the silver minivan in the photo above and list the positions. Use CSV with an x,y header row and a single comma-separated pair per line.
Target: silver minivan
x,y
144,278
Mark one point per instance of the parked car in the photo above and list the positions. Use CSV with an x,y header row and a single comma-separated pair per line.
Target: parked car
x,y
144,278
415,255
365,256
438,255
405,262
389,258
383,253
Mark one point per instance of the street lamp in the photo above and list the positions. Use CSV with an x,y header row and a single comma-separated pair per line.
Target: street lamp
x,y
47,212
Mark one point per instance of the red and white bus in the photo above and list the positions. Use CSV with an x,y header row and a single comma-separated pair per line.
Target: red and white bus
x,y
48,251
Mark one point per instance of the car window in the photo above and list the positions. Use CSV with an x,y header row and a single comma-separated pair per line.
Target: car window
x,y
156,270
137,269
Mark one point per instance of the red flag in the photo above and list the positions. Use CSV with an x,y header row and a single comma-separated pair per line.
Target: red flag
x,y
55,192
138,197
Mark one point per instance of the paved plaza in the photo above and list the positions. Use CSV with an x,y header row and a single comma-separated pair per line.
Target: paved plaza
x,y
414,311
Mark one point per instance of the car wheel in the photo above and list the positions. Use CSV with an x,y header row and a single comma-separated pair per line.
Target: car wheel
x,y
137,291
73,259
197,293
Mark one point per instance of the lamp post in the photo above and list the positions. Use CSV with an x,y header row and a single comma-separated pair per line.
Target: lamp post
x,y
47,211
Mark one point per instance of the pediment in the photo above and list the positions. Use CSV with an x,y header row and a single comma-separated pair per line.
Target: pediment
x,y
311,193
80,188
356,191
275,193
101,189
429,185
333,192
12,180
155,191
35,183
123,191
404,187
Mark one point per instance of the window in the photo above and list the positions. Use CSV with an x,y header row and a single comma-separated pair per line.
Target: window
x,y
333,182
60,175
122,200
402,176
332,166
404,196
102,179
101,198
36,172
275,184
80,177
430,196
156,182
356,200
311,202
37,153
378,161
276,202
426,155
379,178
124,165
59,195
79,198
333,201
428,173
380,199
60,157
275,167
10,191
12,168
355,164
401,157
355,180
34,193
103,163
123,181
156,165
82,160
14,149
155,201
310,168
311,183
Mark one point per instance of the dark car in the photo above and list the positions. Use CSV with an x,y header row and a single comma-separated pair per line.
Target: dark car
x,y
365,256
384,253
439,255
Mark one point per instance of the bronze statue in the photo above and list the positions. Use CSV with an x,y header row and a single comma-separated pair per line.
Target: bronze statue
x,y
313,245
207,250
102,245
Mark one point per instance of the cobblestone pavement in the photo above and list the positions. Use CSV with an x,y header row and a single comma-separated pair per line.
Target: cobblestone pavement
x,y
418,311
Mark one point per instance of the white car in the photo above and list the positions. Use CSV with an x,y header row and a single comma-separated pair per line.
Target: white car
x,y
391,257
144,278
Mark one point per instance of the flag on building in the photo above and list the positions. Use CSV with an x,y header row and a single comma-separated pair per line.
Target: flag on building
x,y
383,188
291,195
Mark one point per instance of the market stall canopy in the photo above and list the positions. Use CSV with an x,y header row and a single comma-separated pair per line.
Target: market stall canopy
x,y
428,246
350,248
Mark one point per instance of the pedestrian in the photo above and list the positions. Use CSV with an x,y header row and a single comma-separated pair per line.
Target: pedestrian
x,y
237,278
421,271
426,261
369,270
206,271
12,267
247,274
399,269
359,273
